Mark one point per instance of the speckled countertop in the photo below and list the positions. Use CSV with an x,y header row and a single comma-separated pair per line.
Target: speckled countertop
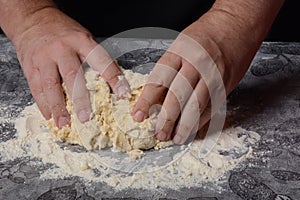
x,y
267,101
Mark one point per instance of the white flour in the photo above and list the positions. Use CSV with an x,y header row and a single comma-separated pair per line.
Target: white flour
x,y
186,170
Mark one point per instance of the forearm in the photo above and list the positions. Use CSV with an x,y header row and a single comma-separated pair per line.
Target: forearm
x,y
242,25
17,15
248,18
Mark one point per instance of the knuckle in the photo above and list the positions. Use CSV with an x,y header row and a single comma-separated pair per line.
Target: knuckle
x,y
101,62
170,57
58,108
34,86
165,124
58,44
106,61
183,129
157,87
70,75
194,106
166,118
31,73
51,82
143,103
36,91
156,82
86,39
112,77
179,95
80,101
83,36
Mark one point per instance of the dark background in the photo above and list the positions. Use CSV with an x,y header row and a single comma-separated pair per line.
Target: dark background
x,y
116,16
112,17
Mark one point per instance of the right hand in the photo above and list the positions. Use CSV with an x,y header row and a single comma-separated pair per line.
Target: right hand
x,y
52,48
203,65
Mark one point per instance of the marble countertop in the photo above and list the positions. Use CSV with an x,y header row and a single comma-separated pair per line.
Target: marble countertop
x,y
267,101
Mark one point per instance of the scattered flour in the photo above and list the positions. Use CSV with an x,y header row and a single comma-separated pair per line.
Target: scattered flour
x,y
34,139
111,135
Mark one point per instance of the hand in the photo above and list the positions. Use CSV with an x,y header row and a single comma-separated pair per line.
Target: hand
x,y
212,53
186,76
54,47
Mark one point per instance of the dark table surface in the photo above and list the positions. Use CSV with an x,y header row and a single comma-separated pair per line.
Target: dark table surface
x,y
267,101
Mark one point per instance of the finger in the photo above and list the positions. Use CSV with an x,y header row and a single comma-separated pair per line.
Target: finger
x,y
206,115
159,80
100,60
35,85
179,92
190,117
54,93
73,76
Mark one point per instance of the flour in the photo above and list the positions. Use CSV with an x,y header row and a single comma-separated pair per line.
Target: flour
x,y
185,169
114,149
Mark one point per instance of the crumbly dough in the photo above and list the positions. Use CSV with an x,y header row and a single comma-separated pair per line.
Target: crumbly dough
x,y
111,124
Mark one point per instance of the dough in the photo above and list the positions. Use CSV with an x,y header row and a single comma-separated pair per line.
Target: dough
x,y
111,124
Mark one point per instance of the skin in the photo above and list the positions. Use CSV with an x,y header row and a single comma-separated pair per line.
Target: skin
x,y
51,46
230,32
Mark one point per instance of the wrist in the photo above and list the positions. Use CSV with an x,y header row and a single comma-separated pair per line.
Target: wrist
x,y
17,16
242,27
238,32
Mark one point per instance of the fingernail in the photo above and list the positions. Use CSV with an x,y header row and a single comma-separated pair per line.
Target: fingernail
x,y
161,135
123,92
62,121
177,139
122,88
84,115
139,116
